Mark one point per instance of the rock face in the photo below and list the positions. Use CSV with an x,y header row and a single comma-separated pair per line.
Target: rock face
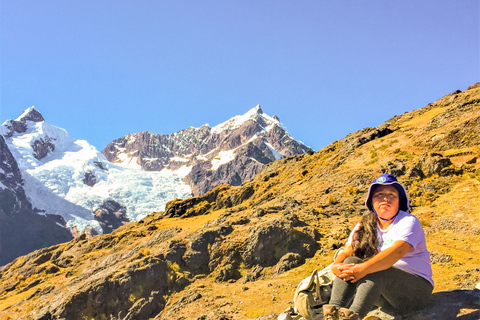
x,y
111,215
230,153
22,229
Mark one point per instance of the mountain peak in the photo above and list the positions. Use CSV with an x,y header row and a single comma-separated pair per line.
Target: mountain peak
x,y
31,114
257,111
252,114
19,125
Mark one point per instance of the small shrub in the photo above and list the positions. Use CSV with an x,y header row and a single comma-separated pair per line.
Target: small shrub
x,y
352,190
403,153
331,199
383,147
424,224
145,251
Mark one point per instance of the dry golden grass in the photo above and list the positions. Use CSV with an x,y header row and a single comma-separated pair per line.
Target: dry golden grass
x,y
422,120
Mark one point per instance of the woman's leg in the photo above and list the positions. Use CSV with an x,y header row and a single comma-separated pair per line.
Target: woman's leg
x,y
344,291
402,289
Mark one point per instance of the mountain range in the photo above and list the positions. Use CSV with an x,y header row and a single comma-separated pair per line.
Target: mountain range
x,y
231,152
238,252
72,188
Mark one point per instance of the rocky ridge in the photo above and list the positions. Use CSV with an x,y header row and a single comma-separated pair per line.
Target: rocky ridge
x,y
238,252
231,152
23,228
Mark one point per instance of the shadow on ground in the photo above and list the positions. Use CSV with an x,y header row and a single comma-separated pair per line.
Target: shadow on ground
x,y
445,305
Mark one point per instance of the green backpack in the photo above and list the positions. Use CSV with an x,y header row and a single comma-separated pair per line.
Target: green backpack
x,y
312,293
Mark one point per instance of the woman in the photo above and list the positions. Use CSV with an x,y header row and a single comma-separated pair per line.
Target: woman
x,y
385,260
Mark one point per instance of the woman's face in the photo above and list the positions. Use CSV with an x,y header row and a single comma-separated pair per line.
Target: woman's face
x,y
385,201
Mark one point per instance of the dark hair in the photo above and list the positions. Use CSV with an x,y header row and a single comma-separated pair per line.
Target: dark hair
x,y
365,240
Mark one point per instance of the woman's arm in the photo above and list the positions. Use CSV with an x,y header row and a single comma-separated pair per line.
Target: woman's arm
x,y
383,260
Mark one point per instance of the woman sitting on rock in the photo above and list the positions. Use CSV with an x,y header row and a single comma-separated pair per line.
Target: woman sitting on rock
x,y
385,261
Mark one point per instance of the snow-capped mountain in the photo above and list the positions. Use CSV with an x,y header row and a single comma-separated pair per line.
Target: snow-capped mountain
x,y
231,152
70,178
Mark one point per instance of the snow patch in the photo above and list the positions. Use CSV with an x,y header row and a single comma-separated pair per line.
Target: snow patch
x,y
255,160
276,154
200,157
131,139
179,159
223,158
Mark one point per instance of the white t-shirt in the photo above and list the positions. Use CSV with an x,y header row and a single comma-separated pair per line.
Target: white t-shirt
x,y
406,227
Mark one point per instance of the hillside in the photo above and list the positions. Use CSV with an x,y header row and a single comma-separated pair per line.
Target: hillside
x,y
239,252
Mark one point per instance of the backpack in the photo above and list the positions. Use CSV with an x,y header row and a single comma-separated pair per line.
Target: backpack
x,y
313,292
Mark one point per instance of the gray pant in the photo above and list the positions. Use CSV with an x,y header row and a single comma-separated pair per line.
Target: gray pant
x,y
395,287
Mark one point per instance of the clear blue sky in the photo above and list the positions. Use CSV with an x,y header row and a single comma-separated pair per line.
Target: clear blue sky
x,y
103,69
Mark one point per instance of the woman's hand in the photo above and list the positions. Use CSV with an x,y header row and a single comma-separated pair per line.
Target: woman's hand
x,y
352,272
383,260
337,269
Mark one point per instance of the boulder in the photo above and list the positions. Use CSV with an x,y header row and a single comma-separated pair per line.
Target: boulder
x,y
288,261
269,241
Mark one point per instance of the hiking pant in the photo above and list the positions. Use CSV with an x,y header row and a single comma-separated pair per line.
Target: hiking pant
x,y
393,287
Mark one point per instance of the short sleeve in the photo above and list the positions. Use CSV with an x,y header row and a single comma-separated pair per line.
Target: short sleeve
x,y
409,230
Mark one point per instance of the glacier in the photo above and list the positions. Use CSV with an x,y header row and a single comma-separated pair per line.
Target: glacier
x,y
54,184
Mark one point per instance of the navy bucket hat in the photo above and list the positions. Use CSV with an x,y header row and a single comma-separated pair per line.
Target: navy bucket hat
x,y
388,179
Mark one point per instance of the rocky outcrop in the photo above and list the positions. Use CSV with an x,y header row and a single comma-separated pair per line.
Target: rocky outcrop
x,y
42,147
216,198
229,153
276,236
89,179
289,261
12,195
359,138
22,229
437,164
111,215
